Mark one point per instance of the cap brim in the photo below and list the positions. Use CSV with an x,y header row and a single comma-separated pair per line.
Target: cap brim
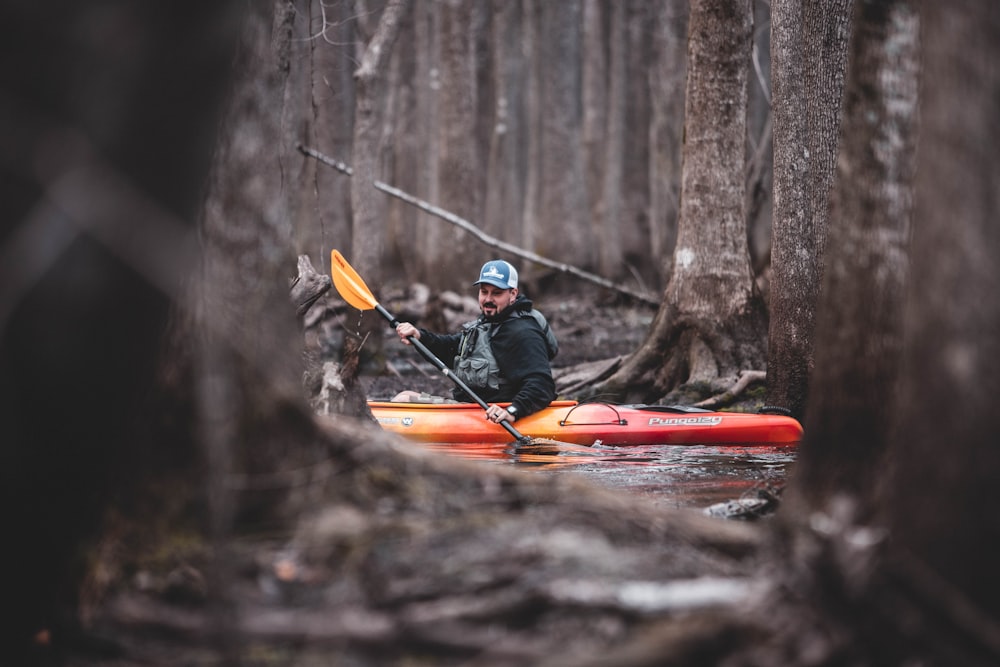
x,y
495,283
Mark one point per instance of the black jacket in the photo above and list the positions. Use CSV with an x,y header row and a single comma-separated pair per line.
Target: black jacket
x,y
519,347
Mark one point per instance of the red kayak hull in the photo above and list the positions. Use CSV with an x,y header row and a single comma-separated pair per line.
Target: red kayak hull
x,y
588,423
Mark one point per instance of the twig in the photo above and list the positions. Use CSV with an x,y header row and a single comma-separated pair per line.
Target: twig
x,y
492,241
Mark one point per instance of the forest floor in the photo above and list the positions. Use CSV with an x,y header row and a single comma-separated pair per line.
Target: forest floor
x,y
392,557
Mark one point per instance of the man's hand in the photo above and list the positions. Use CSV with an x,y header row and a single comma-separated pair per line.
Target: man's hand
x,y
404,330
497,414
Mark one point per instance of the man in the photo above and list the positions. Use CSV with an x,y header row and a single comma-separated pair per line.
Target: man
x,y
503,355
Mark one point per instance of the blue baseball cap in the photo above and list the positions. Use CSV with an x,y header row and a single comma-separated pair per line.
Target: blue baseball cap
x,y
499,274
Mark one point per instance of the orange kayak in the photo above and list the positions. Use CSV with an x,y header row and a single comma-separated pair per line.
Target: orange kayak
x,y
588,423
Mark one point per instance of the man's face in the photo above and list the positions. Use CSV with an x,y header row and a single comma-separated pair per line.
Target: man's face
x,y
494,299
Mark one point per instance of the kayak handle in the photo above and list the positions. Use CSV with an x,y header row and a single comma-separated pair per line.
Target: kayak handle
x,y
619,421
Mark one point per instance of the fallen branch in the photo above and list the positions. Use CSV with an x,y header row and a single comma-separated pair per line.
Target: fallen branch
x,y
745,380
574,378
492,241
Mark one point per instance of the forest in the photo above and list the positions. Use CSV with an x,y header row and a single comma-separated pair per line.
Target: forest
x,y
802,192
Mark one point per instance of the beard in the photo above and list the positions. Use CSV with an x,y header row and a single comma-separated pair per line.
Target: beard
x,y
489,305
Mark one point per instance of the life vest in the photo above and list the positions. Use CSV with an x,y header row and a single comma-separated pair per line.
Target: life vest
x,y
475,364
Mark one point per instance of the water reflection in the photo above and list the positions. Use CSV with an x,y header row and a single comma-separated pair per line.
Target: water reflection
x,y
670,475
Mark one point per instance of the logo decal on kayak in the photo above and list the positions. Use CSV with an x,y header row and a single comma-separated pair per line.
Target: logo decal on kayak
x,y
392,421
685,421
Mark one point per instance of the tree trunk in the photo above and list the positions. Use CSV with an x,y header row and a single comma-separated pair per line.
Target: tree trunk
x,y
407,150
636,188
247,374
941,499
534,112
760,148
859,325
809,54
561,227
902,561
667,100
430,235
296,110
330,127
594,90
505,181
104,163
245,213
369,207
610,207
457,146
711,323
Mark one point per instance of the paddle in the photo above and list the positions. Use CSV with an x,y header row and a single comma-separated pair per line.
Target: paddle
x,y
356,292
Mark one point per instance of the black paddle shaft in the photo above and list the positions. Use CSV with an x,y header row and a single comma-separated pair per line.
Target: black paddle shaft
x,y
429,356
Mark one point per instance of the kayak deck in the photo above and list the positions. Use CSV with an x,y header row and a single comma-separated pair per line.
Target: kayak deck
x,y
587,423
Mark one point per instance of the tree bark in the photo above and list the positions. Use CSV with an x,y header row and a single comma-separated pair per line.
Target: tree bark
x,y
333,47
594,91
561,194
711,323
636,188
941,496
610,207
369,208
458,149
103,166
247,376
505,182
760,140
859,324
427,98
666,128
809,55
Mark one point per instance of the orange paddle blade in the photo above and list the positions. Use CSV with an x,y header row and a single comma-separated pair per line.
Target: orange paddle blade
x,y
350,285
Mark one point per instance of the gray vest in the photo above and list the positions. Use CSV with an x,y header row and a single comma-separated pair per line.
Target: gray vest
x,y
475,364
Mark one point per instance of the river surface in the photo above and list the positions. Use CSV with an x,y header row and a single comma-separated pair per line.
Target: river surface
x,y
690,476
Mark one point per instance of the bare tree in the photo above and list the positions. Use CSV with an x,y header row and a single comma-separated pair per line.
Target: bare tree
x,y
369,207
897,567
609,206
556,197
594,92
505,183
902,557
809,55
638,264
859,324
333,57
710,326
760,148
458,150
247,265
667,79
104,129
940,502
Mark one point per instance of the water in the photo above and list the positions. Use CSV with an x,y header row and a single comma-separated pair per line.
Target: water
x,y
691,476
